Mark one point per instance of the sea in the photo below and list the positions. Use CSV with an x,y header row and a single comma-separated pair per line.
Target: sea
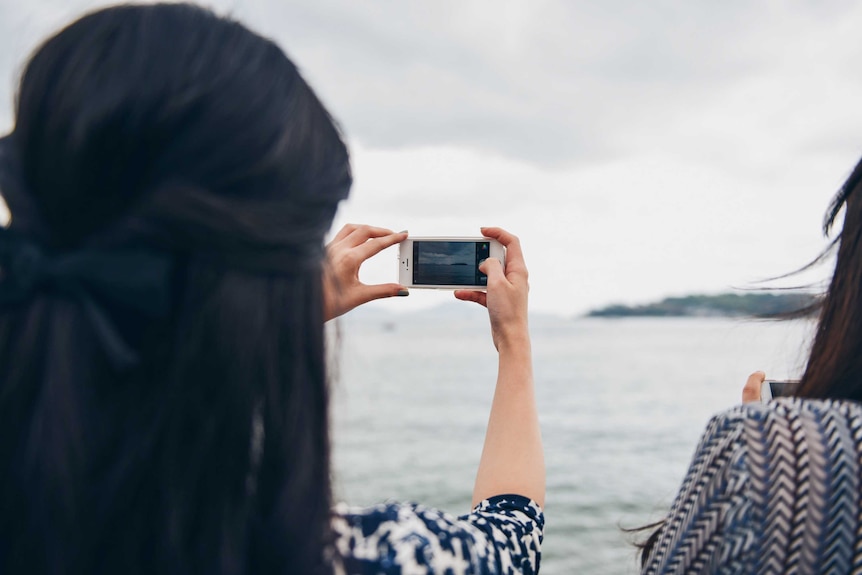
x,y
622,404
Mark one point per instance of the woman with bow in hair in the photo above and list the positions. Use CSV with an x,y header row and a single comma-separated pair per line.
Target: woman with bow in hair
x,y
163,292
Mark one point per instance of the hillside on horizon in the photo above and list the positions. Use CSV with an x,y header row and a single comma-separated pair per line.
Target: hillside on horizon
x,y
752,304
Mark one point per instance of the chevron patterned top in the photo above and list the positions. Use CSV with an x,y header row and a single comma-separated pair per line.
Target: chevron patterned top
x,y
772,488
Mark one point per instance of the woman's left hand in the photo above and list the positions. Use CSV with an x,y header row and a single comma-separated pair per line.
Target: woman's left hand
x,y
351,247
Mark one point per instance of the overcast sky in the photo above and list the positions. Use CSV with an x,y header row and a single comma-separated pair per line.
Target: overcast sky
x,y
639,149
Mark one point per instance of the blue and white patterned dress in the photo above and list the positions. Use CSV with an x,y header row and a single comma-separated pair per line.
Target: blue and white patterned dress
x,y
501,536
774,488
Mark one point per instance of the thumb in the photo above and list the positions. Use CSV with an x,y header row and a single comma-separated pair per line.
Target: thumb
x,y
492,268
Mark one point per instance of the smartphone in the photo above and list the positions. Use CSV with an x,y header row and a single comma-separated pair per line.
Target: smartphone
x,y
446,263
772,388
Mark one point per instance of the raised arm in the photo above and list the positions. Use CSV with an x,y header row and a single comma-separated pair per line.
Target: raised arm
x,y
512,458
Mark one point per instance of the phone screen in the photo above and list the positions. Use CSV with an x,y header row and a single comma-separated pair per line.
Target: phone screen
x,y
782,388
449,263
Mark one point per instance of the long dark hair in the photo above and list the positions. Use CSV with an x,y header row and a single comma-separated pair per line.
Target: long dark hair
x,y
834,368
168,127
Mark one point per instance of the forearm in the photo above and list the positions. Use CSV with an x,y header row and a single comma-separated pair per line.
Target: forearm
x,y
512,458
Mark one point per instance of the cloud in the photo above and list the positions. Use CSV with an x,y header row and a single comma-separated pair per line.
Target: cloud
x,y
639,149
555,83
630,230
561,83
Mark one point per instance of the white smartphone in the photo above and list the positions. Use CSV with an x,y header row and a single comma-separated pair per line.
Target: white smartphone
x,y
445,262
772,388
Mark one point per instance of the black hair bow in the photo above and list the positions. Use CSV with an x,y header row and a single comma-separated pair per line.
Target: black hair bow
x,y
132,281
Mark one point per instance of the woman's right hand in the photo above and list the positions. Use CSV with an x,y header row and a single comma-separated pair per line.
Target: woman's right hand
x,y
506,296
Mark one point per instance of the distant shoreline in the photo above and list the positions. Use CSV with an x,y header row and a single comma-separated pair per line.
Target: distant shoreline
x,y
756,304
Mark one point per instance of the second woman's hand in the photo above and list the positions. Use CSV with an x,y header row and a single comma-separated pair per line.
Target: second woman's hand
x,y
348,250
751,391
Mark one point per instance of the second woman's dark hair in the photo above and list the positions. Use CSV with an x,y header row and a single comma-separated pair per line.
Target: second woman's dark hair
x,y
834,368
166,127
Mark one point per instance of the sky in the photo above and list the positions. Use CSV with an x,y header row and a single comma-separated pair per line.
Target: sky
x,y
638,149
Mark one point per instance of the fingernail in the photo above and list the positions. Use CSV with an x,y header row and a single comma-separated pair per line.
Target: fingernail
x,y
403,292
403,232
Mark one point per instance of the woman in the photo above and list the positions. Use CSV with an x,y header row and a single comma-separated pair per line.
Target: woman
x,y
163,387
777,487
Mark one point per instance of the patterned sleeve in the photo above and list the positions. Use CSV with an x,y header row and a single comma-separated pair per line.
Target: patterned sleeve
x,y
772,488
708,529
501,536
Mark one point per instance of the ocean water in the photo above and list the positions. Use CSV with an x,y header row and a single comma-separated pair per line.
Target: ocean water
x,y
622,404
